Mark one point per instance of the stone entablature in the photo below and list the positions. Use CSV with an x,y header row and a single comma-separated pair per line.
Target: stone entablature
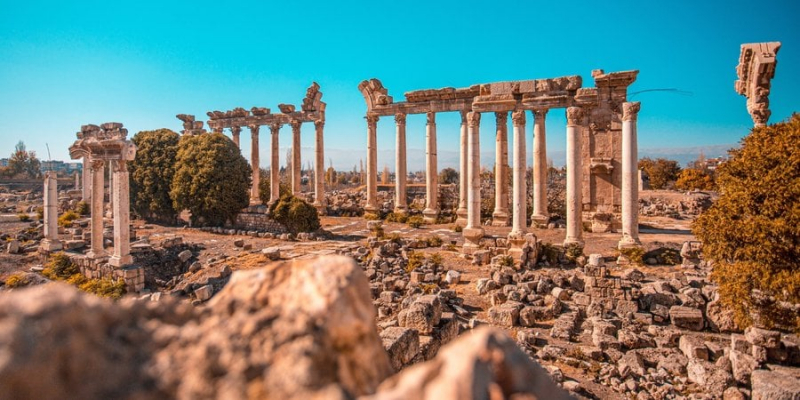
x,y
757,62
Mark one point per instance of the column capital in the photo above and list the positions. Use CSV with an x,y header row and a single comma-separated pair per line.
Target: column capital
x,y
275,127
372,119
400,118
97,164
575,116
295,124
464,114
630,110
319,123
431,117
501,118
759,113
236,130
518,117
474,118
539,114
216,129
254,128
120,166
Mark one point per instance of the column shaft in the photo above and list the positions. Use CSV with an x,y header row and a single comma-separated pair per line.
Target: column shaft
x,y
87,179
431,211
500,214
372,165
574,172
630,172
319,168
275,165
540,214
122,229
296,162
463,182
235,131
98,177
254,164
50,242
473,232
401,171
520,168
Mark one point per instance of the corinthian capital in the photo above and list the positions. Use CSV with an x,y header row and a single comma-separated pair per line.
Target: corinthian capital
x,y
319,124
539,114
275,127
518,117
431,118
501,118
464,116
254,128
474,119
295,124
400,118
372,119
574,116
630,110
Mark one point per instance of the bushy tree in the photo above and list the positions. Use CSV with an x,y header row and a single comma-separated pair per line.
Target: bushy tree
x,y
151,174
660,171
692,178
296,214
24,164
212,179
264,187
752,233
448,176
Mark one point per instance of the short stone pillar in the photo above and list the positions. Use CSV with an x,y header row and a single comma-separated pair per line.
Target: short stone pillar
x,y
122,221
77,176
520,189
235,132
50,242
254,164
500,214
540,215
296,162
319,168
463,182
401,170
275,166
372,165
630,174
574,172
473,232
431,211
96,250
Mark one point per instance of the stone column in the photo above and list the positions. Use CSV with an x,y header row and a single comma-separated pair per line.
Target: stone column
x,y
275,165
519,201
372,165
254,164
401,172
463,182
296,162
630,172
574,172
87,179
122,221
96,250
77,180
500,214
110,168
319,170
235,131
473,232
50,242
540,215
431,212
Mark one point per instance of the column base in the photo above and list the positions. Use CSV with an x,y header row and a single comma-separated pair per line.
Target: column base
x,y
539,221
95,255
472,239
500,218
50,245
120,261
402,210
628,242
461,216
371,211
516,241
573,242
430,215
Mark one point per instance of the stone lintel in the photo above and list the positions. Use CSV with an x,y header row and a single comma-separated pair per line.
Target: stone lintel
x,y
614,79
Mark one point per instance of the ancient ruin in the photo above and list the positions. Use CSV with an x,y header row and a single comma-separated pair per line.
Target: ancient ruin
x,y
312,110
757,62
601,150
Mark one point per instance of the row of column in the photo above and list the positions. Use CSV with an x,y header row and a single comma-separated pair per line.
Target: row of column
x,y
294,162
469,195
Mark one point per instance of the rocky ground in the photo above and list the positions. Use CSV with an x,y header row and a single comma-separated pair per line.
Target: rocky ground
x,y
601,330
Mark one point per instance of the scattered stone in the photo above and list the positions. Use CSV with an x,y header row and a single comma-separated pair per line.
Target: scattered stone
x,y
687,317
769,385
402,345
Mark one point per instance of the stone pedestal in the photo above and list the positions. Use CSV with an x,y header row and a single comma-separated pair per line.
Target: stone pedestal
x,y
122,229
50,242
319,167
473,232
96,250
235,132
540,215
630,172
574,172
296,162
401,171
431,212
254,164
518,229
463,182
275,166
500,213
372,165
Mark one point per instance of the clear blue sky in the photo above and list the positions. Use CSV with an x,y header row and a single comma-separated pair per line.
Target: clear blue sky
x,y
64,64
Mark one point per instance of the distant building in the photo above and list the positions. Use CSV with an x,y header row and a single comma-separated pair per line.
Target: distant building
x,y
3,162
61,167
713,163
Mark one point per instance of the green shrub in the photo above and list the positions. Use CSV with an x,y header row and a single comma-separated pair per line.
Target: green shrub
x,y
507,261
435,260
397,217
573,251
113,289
296,214
60,267
371,217
24,217
634,254
66,219
415,221
17,280
434,241
82,208
458,228
415,260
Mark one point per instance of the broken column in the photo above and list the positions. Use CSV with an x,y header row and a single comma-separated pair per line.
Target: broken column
x,y
122,229
518,201
50,242
757,62
319,168
431,212
86,194
77,176
96,250
630,172
275,166
254,163
540,215
473,232
500,214
401,172
463,182
296,162
235,131
372,165
574,172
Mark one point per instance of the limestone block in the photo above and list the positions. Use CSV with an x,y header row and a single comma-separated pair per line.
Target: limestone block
x,y
687,317
12,247
693,347
742,365
204,293
771,385
762,337
401,344
418,316
185,255
631,363
452,277
528,315
506,314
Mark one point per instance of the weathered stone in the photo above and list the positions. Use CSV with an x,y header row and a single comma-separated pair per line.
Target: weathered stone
x,y
631,363
12,247
762,337
742,365
686,317
505,314
693,347
419,316
204,293
185,255
272,253
769,385
401,344
719,318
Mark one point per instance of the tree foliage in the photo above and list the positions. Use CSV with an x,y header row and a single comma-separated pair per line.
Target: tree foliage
x,y
264,187
692,178
151,174
296,214
752,233
212,179
23,164
661,171
448,176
